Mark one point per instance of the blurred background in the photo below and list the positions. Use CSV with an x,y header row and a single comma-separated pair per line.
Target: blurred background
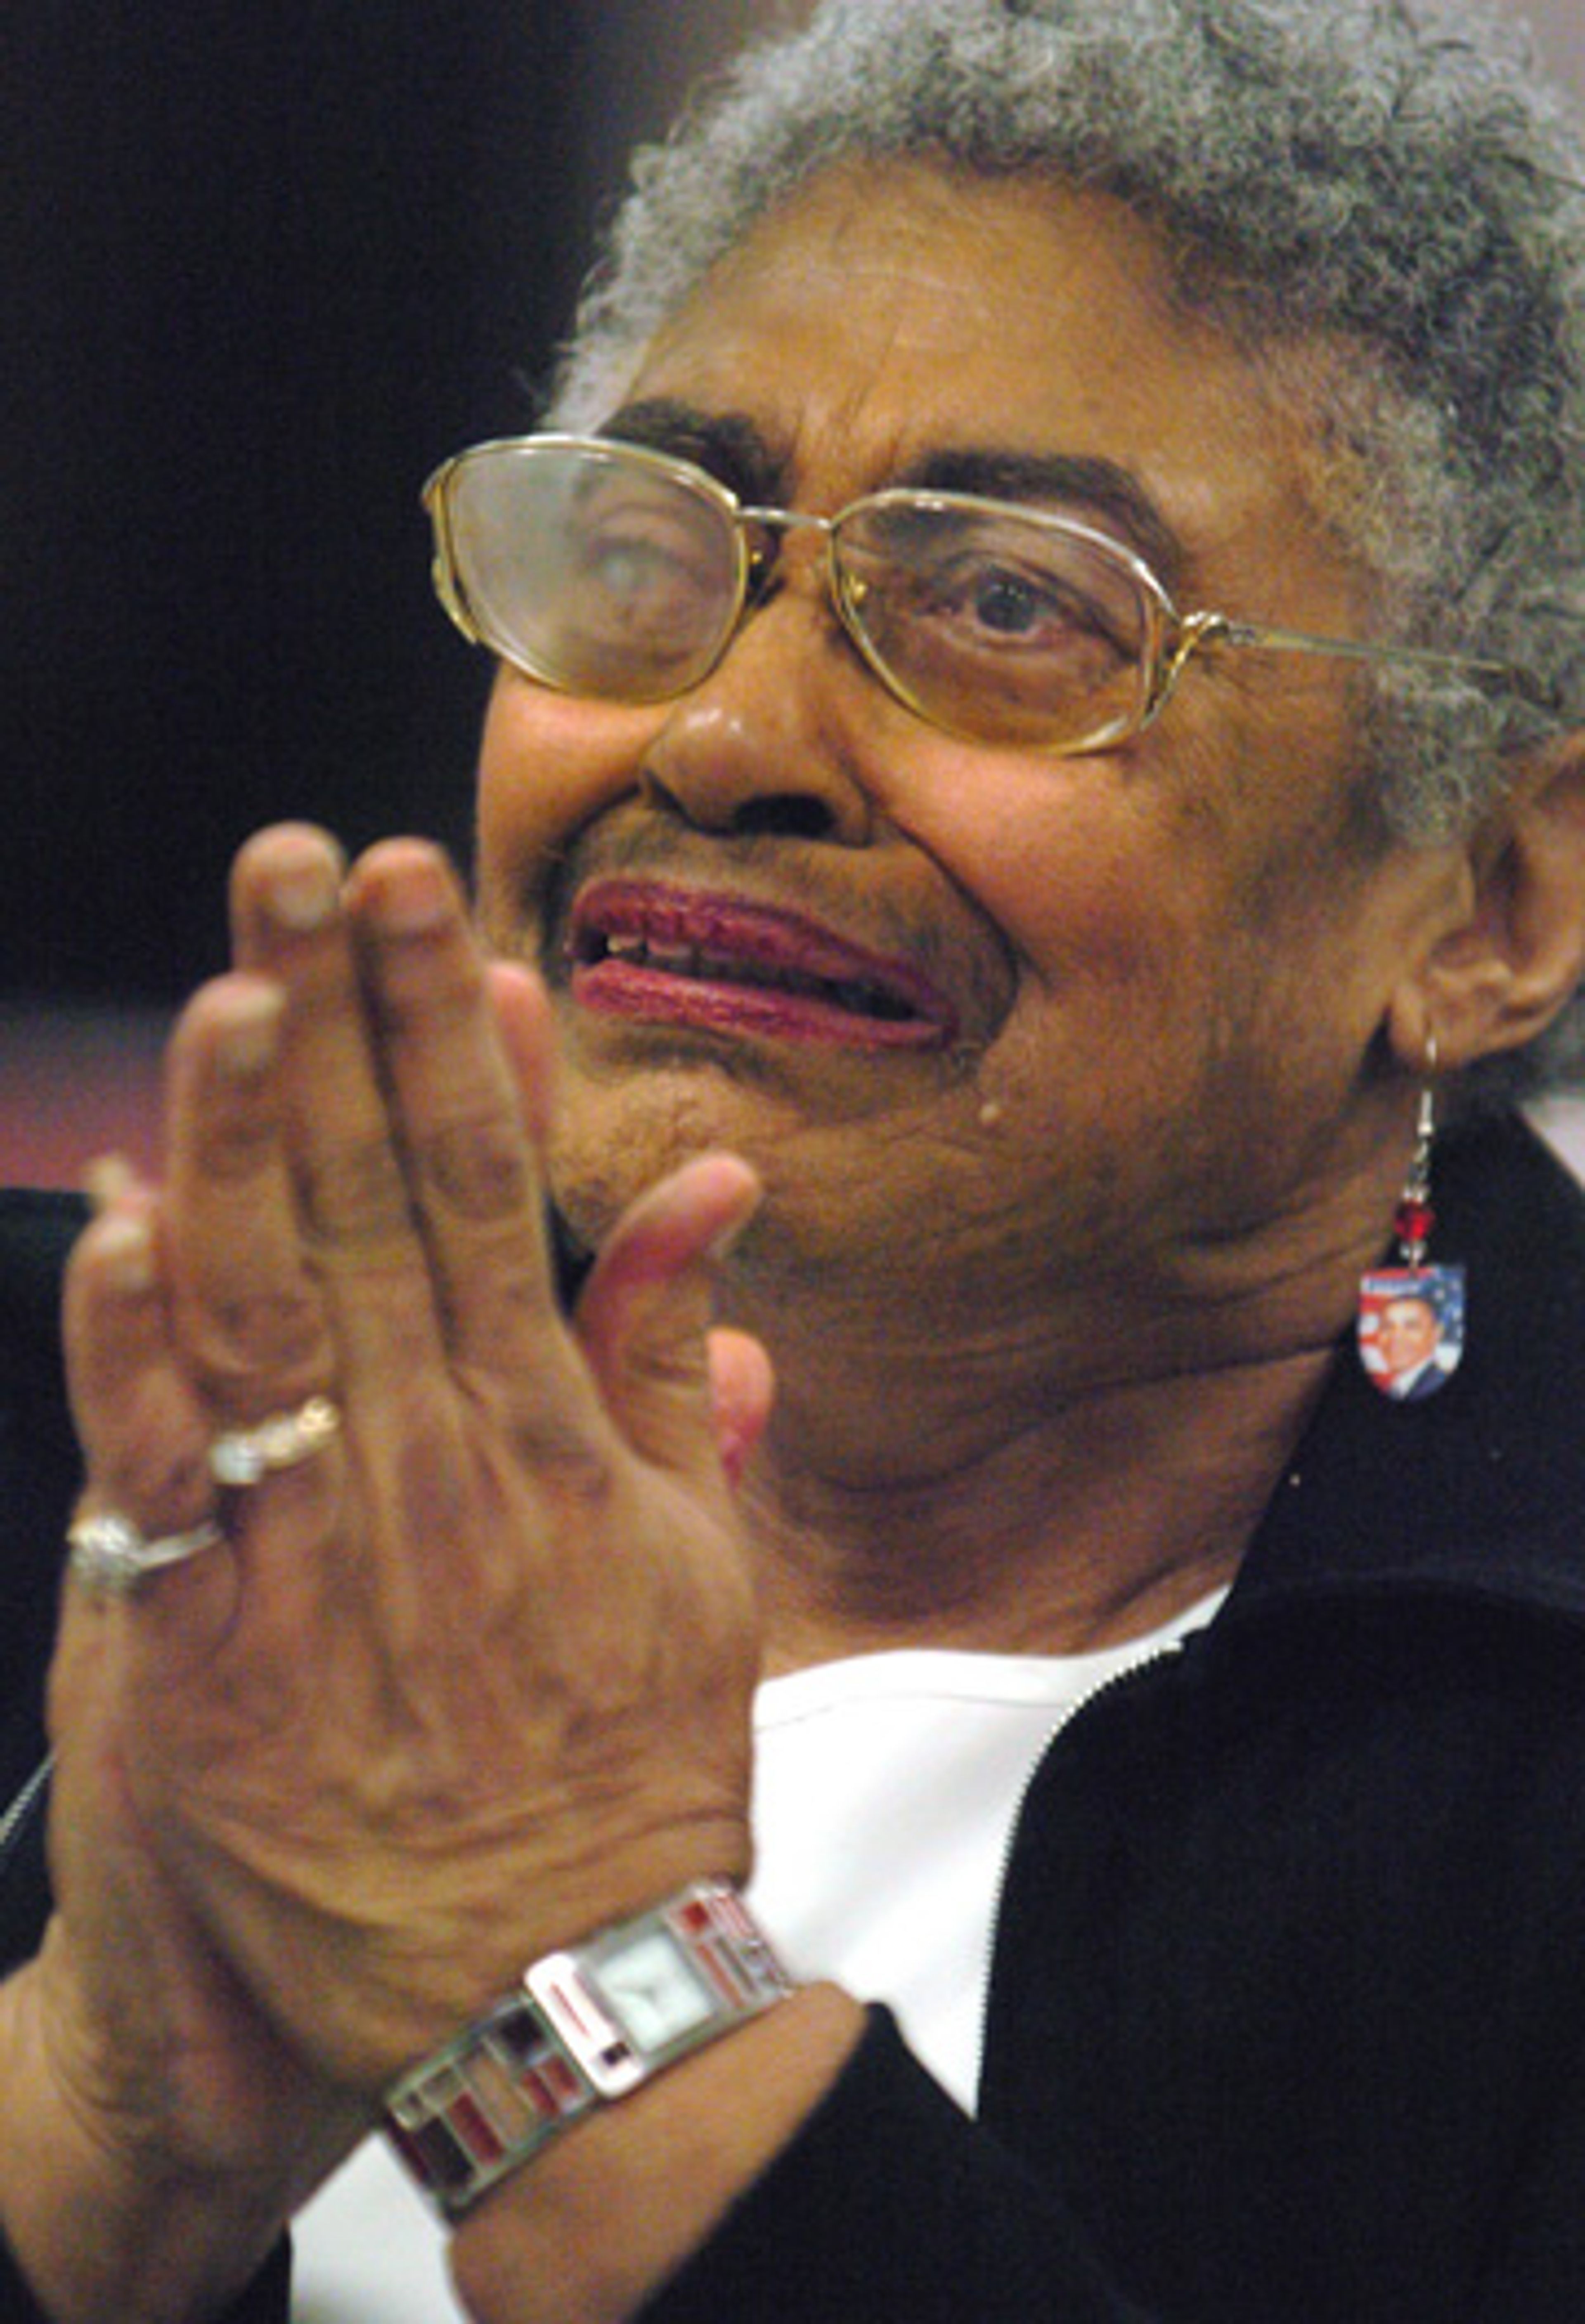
x,y
264,266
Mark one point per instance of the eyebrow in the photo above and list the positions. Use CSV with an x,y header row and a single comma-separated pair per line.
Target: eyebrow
x,y
730,448
724,445
1075,483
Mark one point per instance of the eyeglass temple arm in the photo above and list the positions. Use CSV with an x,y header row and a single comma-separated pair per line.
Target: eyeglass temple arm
x,y
1208,629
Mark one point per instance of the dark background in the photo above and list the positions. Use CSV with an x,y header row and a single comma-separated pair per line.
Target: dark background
x,y
262,266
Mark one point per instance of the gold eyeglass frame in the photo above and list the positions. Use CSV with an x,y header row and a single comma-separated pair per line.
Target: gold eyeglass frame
x,y
1171,639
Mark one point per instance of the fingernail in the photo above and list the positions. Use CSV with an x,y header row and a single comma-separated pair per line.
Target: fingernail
x,y
250,1039
413,903
749,1194
126,1253
303,895
725,1238
106,1178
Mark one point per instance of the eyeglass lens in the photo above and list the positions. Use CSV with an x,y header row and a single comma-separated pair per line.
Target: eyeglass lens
x,y
613,578
994,625
601,576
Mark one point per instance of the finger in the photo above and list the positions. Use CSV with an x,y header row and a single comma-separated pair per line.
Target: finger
x,y
645,1318
467,1064
523,1021
143,1427
522,1017
742,1386
348,1179
246,1312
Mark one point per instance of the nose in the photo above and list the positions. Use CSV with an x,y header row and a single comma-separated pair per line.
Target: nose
x,y
769,742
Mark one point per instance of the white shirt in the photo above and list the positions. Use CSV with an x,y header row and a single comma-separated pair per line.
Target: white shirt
x,y
886,1791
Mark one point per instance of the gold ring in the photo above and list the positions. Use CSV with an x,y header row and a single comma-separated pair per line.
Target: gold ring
x,y
242,1456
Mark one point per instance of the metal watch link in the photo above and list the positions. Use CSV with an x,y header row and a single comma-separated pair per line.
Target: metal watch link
x,y
588,2024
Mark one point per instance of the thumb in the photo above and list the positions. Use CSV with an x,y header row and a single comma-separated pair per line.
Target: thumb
x,y
644,1321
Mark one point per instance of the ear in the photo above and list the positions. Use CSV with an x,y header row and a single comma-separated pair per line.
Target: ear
x,y
1499,979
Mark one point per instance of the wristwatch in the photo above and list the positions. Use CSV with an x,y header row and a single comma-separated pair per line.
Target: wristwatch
x,y
587,2025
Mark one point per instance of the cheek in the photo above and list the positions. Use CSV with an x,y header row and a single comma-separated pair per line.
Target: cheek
x,y
1172,880
1104,892
1162,943
548,765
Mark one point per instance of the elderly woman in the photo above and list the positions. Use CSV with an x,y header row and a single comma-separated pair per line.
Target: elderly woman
x,y
1031,791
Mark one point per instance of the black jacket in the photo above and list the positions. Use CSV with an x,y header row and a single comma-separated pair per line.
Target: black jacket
x,y
1288,1998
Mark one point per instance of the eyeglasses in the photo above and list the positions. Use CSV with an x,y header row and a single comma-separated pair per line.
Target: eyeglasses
x,y
606,569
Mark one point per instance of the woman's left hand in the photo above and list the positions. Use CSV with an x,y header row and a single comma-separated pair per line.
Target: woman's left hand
x,y
474,1677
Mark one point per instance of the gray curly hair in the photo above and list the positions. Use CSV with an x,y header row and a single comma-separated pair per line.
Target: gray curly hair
x,y
1388,175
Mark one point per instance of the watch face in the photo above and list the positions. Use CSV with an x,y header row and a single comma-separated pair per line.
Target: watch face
x,y
654,1990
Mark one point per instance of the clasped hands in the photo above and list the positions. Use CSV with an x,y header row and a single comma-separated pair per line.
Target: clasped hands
x,y
475,1678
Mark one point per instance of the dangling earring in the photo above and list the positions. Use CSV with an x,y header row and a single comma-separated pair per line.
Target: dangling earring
x,y
1411,1327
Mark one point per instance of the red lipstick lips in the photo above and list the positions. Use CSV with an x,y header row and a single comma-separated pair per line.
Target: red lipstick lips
x,y
667,956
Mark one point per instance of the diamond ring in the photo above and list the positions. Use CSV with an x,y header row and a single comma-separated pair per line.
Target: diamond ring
x,y
111,1556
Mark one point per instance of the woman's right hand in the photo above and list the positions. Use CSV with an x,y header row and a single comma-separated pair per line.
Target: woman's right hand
x,y
156,2131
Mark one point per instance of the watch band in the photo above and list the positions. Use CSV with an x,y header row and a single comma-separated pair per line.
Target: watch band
x,y
588,2024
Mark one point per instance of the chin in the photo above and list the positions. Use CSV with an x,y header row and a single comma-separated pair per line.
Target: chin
x,y
610,1143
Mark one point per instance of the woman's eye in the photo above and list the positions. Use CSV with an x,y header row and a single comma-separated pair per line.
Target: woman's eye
x,y
633,569
999,602
645,585
1009,605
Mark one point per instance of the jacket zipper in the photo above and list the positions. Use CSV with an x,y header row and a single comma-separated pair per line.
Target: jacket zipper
x,y
1111,1684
